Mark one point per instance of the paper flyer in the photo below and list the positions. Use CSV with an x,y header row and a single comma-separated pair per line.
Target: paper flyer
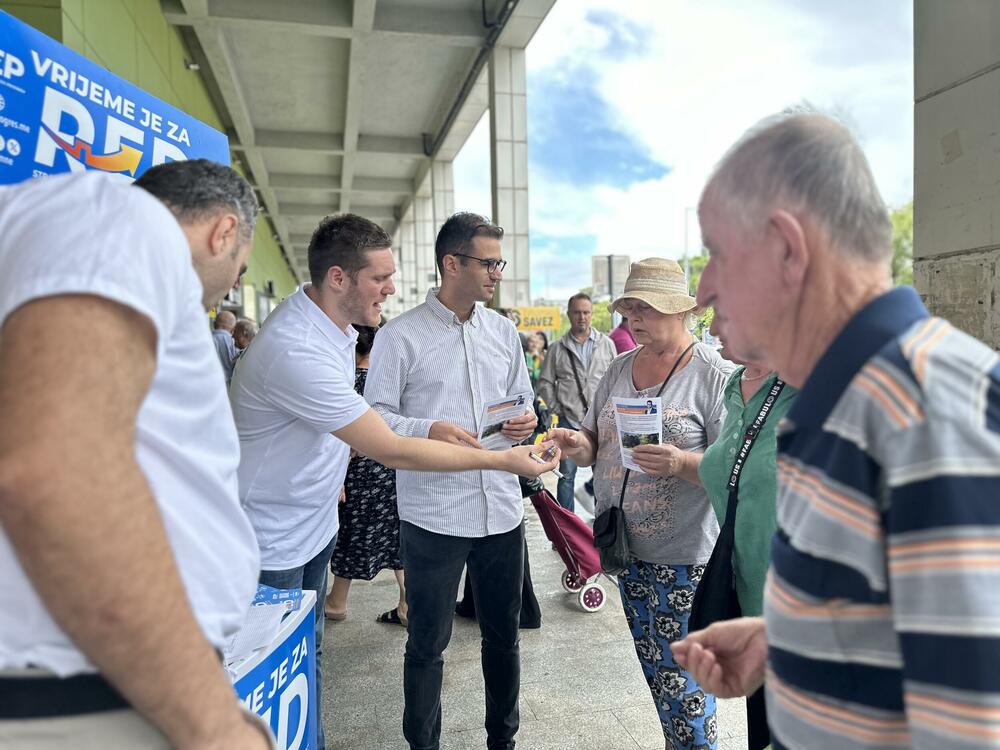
x,y
495,414
639,422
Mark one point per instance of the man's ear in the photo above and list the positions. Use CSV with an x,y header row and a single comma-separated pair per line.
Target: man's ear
x,y
794,249
336,278
449,264
224,234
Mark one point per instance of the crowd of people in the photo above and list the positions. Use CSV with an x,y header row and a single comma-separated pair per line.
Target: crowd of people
x,y
833,470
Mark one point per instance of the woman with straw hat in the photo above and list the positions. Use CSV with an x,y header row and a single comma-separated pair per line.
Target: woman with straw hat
x,y
670,525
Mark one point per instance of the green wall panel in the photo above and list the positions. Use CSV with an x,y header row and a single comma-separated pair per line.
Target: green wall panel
x,y
44,15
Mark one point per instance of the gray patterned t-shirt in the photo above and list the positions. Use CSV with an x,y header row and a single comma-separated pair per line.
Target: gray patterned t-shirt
x,y
668,519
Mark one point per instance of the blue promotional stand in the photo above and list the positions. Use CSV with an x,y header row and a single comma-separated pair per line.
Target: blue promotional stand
x,y
279,682
60,112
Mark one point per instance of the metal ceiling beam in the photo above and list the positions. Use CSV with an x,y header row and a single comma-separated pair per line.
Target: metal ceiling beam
x,y
315,212
334,184
332,144
223,68
363,20
334,20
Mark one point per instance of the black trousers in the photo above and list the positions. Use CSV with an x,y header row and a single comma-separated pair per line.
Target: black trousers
x,y
433,566
759,736
531,612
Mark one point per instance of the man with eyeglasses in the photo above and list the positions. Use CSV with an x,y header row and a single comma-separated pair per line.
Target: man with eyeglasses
x,y
432,370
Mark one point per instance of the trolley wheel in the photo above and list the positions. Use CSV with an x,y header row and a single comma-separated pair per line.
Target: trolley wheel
x,y
571,582
592,597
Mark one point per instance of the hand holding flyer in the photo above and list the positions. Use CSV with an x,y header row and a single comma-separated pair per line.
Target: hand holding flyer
x,y
495,414
639,422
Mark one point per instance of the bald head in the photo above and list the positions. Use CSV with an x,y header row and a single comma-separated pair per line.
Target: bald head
x,y
225,321
809,165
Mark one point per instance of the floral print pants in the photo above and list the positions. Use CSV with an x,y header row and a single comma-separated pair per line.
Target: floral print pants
x,y
657,602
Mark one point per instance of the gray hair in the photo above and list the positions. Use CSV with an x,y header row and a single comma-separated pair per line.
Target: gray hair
x,y
195,189
804,160
245,327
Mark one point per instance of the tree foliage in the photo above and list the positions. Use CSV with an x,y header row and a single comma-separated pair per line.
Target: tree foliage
x,y
902,244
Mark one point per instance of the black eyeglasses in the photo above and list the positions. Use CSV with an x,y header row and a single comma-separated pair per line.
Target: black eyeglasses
x,y
491,265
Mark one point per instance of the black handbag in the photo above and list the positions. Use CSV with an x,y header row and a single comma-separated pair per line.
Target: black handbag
x,y
715,598
610,538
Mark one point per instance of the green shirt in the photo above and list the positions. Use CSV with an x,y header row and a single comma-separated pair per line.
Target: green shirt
x,y
755,513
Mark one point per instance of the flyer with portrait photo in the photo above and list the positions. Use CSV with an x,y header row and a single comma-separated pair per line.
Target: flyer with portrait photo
x,y
639,422
495,414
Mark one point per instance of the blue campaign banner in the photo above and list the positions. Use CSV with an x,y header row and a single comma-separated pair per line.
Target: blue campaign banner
x,y
60,112
282,688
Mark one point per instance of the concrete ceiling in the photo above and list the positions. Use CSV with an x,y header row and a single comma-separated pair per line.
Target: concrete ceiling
x,y
340,105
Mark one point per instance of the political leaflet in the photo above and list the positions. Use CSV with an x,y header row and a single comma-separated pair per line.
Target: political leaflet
x,y
495,414
639,422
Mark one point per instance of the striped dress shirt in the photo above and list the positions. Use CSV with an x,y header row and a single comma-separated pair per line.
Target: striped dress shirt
x,y
883,600
426,365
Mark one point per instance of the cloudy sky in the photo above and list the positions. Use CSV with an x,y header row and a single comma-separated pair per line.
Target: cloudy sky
x,y
630,105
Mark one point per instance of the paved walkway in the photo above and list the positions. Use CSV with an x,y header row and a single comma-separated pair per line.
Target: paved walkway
x,y
581,686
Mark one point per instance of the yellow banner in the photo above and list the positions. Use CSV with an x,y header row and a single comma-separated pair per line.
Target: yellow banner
x,y
536,318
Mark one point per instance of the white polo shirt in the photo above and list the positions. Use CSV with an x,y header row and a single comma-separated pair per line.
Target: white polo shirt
x,y
290,390
90,234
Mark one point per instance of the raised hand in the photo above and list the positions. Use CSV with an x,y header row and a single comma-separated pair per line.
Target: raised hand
x,y
727,658
524,459
569,441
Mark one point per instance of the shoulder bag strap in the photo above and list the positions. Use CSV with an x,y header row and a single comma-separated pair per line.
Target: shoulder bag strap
x,y
628,472
576,376
749,438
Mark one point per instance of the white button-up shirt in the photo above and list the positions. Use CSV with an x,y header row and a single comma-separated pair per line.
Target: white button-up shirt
x,y
90,234
428,366
292,388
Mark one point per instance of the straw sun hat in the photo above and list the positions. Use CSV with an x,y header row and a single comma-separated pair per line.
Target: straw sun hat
x,y
660,283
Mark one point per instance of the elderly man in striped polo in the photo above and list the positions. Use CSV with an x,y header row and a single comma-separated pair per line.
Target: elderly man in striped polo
x,y
882,608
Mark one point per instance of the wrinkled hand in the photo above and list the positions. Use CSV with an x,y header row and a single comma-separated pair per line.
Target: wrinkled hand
x,y
521,460
726,658
447,432
569,441
520,428
659,460
343,496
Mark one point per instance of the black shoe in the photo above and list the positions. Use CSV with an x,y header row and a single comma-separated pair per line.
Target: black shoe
x,y
463,610
509,745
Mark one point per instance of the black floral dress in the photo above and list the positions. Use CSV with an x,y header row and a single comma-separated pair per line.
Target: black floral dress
x,y
368,540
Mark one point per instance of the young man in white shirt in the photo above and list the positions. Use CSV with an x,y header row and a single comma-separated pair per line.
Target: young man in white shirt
x,y
432,370
126,562
298,414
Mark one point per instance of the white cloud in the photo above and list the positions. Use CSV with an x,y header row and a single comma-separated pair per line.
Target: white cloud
x,y
705,71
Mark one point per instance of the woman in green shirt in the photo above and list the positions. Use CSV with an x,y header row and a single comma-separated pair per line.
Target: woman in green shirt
x,y
744,395
756,522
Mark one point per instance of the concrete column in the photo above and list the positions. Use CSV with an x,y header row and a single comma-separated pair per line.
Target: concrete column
x,y
442,183
426,232
405,245
956,255
509,157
